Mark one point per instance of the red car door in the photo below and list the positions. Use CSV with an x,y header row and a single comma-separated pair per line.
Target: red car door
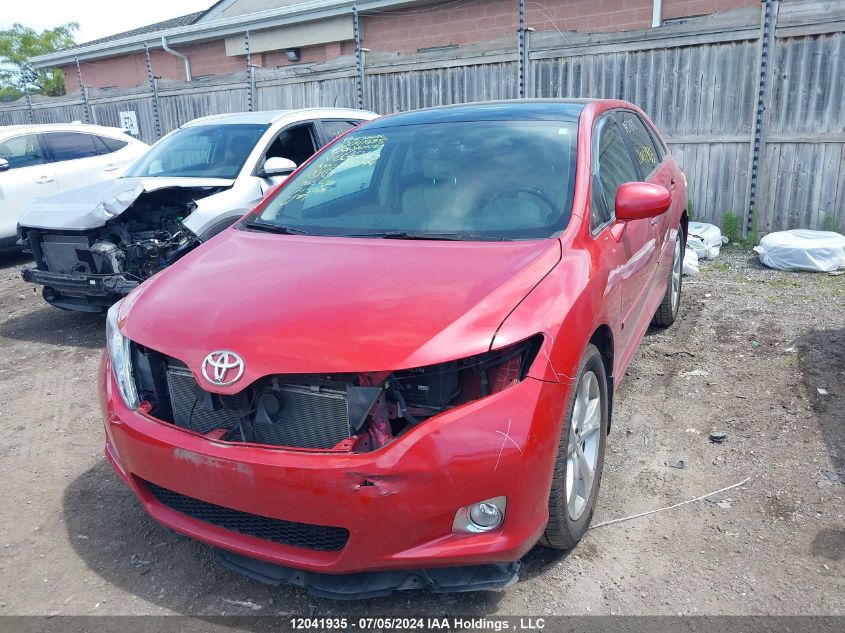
x,y
629,249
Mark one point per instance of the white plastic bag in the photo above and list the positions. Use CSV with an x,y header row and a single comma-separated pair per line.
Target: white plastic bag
x,y
802,249
690,262
705,239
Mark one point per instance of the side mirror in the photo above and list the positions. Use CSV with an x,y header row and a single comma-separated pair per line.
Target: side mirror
x,y
277,166
638,200
4,164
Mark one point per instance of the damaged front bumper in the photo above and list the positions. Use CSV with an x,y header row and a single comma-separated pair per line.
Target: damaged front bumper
x,y
394,506
376,584
80,292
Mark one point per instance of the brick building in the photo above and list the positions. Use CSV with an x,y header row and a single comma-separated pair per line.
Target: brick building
x,y
211,43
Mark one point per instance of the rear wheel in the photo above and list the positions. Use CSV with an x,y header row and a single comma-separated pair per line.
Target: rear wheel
x,y
668,310
578,466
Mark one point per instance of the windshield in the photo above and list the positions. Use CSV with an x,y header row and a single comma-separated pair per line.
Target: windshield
x,y
199,151
455,180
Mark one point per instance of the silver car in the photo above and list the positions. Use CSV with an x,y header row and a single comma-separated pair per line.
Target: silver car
x,y
94,244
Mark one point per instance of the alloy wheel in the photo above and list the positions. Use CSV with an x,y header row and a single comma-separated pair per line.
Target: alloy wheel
x,y
675,287
583,446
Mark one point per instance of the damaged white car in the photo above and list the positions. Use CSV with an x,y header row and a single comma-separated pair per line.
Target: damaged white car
x,y
94,244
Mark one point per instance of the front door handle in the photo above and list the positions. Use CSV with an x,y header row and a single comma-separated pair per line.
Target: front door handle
x,y
44,180
111,167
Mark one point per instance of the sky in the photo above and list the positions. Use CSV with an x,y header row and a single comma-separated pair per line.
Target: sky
x,y
96,18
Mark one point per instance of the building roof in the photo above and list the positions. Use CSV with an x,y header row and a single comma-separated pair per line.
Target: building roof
x,y
182,20
209,25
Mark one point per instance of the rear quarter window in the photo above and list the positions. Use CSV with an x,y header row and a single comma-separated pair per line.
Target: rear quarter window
x,y
111,144
333,129
646,152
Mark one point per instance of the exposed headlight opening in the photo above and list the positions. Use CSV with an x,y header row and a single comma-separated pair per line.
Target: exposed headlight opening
x,y
431,389
118,348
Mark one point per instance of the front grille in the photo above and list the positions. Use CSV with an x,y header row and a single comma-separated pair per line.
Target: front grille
x,y
307,419
304,416
189,410
314,537
295,411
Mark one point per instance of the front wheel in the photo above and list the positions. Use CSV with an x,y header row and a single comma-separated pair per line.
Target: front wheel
x,y
580,458
668,310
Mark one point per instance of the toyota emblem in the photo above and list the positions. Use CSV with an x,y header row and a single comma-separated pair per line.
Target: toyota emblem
x,y
222,368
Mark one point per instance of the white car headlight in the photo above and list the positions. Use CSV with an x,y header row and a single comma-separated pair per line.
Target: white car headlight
x,y
118,346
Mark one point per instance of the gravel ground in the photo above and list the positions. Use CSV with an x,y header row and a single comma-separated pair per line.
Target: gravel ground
x,y
748,357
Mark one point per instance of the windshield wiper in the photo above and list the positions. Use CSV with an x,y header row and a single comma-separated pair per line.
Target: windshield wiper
x,y
405,235
276,228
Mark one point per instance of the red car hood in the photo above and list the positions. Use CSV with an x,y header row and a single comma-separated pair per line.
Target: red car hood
x,y
301,304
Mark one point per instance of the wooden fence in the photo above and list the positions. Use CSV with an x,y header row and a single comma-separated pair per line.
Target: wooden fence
x,y
698,80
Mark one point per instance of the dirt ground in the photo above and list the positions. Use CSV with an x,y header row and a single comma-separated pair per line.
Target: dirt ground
x,y
748,357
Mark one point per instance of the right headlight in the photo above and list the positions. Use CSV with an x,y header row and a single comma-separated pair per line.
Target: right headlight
x,y
118,348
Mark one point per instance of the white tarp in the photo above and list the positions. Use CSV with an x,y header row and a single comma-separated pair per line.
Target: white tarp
x,y
690,262
705,239
802,249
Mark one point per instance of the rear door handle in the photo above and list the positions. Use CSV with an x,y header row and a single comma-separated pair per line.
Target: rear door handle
x,y
44,180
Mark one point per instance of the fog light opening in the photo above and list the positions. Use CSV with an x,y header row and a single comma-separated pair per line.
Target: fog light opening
x,y
484,516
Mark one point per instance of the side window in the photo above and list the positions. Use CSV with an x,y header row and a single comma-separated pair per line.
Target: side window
x,y
333,129
295,143
612,167
351,176
70,145
646,152
22,151
107,145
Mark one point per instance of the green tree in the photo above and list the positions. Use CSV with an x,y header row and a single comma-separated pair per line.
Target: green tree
x,y
20,43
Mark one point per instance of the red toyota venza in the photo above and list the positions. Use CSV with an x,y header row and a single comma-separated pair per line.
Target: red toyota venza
x,y
399,370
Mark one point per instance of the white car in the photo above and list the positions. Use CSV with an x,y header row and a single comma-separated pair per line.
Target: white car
x,y
94,244
38,160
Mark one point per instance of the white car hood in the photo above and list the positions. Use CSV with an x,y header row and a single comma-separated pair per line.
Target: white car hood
x,y
92,206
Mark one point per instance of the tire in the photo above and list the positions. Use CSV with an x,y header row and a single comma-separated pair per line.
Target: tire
x,y
668,310
570,514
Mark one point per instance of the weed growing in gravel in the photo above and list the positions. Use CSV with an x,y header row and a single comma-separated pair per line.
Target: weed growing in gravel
x,y
717,265
732,228
784,282
831,284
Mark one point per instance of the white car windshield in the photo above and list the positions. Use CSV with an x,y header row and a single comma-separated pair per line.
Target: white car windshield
x,y
199,151
455,180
